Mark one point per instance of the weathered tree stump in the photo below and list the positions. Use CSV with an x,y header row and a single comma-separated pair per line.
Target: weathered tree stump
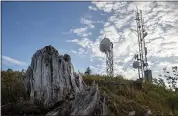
x,y
51,79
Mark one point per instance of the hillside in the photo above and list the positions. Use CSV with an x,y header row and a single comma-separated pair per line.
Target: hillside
x,y
121,97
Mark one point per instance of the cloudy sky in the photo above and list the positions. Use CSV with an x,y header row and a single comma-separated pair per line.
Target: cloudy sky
x,y
76,28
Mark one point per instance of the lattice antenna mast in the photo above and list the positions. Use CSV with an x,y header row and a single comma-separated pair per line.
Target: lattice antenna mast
x,y
141,57
107,47
138,56
144,34
109,61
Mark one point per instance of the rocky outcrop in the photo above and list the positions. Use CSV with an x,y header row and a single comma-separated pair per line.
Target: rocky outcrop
x,y
51,80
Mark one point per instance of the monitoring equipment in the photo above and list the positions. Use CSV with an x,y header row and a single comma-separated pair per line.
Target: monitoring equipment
x,y
141,58
106,46
136,65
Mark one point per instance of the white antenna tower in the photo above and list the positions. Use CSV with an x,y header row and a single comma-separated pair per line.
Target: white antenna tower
x,y
141,58
106,46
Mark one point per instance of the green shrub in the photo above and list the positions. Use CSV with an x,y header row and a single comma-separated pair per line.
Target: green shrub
x,y
172,101
12,87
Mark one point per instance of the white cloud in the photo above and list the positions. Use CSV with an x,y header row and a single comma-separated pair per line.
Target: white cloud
x,y
74,40
86,34
92,8
13,61
82,32
87,22
85,42
111,32
165,64
161,23
106,6
80,51
75,52
93,68
99,22
79,30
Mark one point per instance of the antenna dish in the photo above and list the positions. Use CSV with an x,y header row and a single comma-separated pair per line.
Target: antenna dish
x,y
136,64
145,34
105,45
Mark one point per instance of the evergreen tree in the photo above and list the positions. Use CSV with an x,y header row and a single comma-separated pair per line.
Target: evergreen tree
x,y
9,70
88,71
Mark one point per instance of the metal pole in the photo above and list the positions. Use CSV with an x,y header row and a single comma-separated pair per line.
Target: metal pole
x,y
112,60
141,34
145,51
109,62
137,19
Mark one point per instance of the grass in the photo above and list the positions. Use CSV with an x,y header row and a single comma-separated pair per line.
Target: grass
x,y
121,97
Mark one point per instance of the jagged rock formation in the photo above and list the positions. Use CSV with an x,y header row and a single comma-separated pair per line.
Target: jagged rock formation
x,y
50,80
